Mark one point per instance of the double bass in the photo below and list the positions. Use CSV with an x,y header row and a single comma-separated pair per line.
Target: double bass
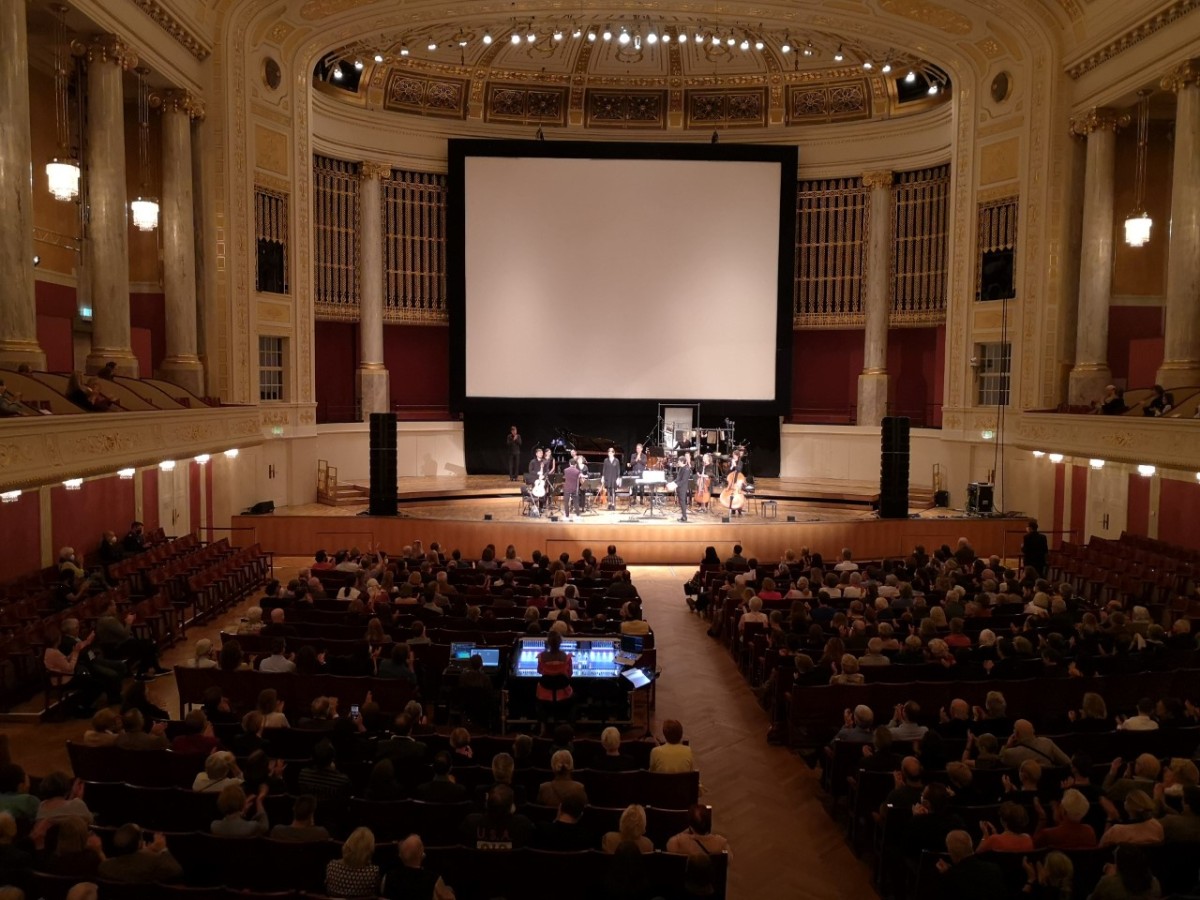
x,y
733,498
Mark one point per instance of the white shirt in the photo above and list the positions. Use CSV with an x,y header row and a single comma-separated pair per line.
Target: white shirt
x,y
846,566
276,665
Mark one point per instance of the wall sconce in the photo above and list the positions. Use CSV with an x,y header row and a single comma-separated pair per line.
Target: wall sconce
x,y
126,474
167,465
73,484
14,496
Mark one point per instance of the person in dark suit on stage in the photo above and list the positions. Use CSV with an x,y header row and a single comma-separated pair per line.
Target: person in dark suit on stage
x,y
514,453
636,466
535,466
1034,548
611,470
683,480
571,489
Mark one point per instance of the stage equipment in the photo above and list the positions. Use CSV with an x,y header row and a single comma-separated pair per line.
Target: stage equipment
x,y
893,468
383,500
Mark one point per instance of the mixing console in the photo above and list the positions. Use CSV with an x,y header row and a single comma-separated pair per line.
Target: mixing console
x,y
590,657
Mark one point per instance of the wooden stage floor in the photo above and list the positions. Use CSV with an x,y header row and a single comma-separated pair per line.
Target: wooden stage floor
x,y
827,516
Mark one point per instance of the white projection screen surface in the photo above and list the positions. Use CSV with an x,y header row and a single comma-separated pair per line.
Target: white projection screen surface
x,y
620,279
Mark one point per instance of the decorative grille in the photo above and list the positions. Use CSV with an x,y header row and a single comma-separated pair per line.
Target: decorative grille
x,y
414,247
831,229
997,249
271,238
919,251
335,238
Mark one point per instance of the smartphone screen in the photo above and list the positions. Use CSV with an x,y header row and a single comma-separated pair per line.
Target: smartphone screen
x,y
354,711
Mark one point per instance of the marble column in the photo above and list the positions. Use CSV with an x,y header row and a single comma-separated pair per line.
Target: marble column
x,y
18,311
873,382
372,375
1090,372
108,204
1181,347
181,364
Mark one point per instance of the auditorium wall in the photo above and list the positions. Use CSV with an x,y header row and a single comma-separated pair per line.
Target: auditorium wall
x,y
1135,343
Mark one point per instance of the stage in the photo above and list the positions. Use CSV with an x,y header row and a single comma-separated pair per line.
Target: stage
x,y
828,515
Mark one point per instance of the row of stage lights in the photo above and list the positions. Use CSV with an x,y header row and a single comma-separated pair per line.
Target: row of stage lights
x,y
1145,470
625,38
167,465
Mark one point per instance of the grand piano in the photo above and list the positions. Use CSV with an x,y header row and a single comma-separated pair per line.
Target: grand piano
x,y
593,449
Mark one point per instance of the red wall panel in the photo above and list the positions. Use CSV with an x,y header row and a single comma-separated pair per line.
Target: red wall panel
x,y
56,300
336,363
79,518
825,370
55,324
21,523
417,359
150,499
147,311
1079,479
1137,519
914,385
1127,325
1177,506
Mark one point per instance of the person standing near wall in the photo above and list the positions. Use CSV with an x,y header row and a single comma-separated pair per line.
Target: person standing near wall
x,y
514,453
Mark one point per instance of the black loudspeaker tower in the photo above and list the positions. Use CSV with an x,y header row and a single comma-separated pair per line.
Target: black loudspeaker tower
x,y
383,465
893,468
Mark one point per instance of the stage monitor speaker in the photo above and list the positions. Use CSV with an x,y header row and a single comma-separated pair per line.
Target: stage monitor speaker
x,y
382,457
941,499
893,468
980,498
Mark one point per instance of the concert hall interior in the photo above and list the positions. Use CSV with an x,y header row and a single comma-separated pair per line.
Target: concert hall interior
x,y
289,276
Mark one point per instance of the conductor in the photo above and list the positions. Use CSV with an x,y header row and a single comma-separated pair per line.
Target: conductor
x,y
683,480
514,453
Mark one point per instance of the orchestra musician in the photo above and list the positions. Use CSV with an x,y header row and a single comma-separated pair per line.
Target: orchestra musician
x,y
636,466
571,481
535,467
514,453
611,471
683,479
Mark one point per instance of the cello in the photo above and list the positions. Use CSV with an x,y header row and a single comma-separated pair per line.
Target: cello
x,y
732,497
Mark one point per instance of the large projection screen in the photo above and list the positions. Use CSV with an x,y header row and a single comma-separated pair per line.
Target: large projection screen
x,y
630,277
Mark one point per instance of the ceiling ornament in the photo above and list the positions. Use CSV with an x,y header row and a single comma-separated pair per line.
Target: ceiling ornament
x,y
1134,35
179,32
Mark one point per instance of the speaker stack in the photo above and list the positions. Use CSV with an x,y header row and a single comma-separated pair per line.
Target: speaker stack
x,y
893,468
383,460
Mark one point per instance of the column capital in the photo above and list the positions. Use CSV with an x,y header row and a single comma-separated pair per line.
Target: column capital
x,y
179,100
1098,118
369,169
1186,74
878,178
110,48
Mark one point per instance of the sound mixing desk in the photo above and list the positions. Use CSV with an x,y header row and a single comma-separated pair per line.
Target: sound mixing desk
x,y
590,657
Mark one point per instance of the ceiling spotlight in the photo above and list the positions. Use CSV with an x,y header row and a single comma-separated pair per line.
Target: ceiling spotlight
x,y
167,465
808,49
126,474
933,90
1143,470
699,39
358,64
839,55
1096,463
591,35
786,47
432,46
1038,454
337,74
462,42
910,77
716,41
1056,458
202,459
516,39
577,32
531,37
885,68
487,38
758,45
607,35
868,65
378,57
652,38
624,38
558,34
404,51
231,453
731,40
744,45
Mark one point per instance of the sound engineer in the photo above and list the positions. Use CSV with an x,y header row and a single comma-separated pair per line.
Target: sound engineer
x,y
554,680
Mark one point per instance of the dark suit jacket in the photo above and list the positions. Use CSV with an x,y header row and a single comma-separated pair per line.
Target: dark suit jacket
x,y
402,750
571,480
683,478
441,792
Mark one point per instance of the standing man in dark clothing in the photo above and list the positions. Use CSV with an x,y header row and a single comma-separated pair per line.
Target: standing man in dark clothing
x,y
683,480
1035,548
570,489
636,466
514,453
611,471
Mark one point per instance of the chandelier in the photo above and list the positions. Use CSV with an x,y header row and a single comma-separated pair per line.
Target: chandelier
x,y
144,208
1138,222
62,172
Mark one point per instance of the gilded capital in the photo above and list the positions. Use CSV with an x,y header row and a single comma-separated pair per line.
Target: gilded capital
x,y
1098,118
110,48
368,169
1186,74
182,101
882,178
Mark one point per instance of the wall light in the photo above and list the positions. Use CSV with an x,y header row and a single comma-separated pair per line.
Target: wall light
x,y
14,496
1038,454
1056,458
167,465
1096,463
1146,471
126,474
201,459
987,435
73,484
231,453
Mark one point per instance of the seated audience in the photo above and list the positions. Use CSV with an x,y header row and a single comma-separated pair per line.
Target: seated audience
x,y
498,827
562,785
673,755
302,827
241,816
632,829
698,835
354,875
135,860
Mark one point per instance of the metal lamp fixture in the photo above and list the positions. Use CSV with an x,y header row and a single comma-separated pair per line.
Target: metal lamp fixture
x,y
144,208
1138,222
62,172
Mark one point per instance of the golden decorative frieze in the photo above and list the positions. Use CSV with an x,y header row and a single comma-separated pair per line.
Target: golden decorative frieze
x,y
1170,443
110,48
1144,29
176,100
881,178
179,32
368,169
1098,118
928,13
1186,74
